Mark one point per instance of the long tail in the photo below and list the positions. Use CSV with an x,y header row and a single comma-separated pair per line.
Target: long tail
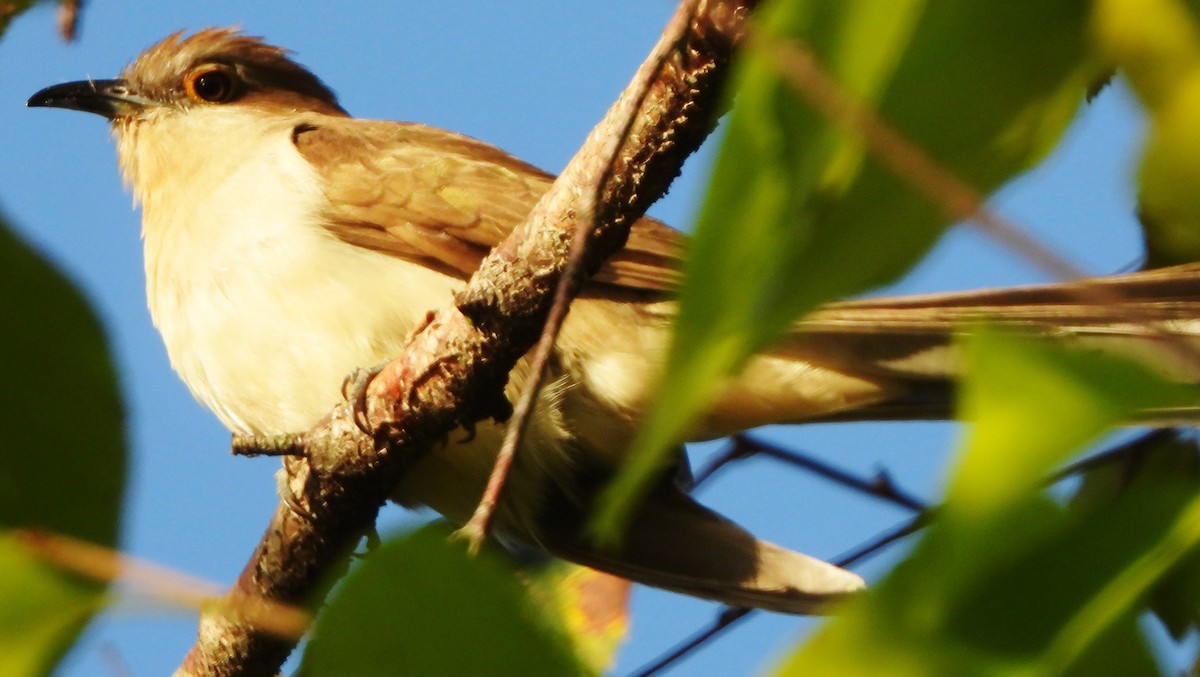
x,y
677,544
895,358
1153,315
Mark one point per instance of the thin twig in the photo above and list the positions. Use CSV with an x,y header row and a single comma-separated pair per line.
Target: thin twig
x,y
1132,449
913,525
268,445
729,617
880,486
743,446
114,661
732,453
573,277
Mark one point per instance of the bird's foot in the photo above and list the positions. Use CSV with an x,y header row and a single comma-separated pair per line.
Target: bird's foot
x,y
287,494
354,391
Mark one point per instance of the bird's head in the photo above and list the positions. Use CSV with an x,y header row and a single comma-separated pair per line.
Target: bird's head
x,y
213,67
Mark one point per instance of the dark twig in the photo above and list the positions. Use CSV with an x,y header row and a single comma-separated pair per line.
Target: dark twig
x,y
880,486
731,453
889,537
729,617
1131,451
744,446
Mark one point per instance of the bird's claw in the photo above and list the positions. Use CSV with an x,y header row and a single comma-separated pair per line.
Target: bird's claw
x,y
354,391
288,496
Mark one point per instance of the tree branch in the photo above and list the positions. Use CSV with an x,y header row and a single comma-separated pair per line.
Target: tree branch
x,y
454,370
573,275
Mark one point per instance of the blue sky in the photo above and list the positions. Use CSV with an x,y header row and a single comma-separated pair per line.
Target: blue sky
x,y
532,78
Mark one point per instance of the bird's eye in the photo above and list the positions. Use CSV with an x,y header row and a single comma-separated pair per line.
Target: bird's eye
x,y
212,84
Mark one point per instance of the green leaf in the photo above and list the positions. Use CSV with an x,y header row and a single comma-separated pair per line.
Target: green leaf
x,y
997,613
420,605
593,607
1114,577
1163,461
1032,403
1007,582
62,464
1176,601
41,611
10,9
1156,43
798,213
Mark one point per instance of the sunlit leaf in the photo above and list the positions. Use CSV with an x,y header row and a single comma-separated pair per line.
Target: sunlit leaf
x,y
1031,404
799,213
1006,581
1164,461
1156,43
420,605
593,607
41,611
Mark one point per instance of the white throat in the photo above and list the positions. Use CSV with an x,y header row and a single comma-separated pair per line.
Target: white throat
x,y
261,309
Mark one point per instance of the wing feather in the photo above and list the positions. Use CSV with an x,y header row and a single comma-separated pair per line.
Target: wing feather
x,y
444,200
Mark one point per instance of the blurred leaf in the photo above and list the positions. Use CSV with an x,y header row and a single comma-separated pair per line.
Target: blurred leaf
x,y
1006,582
593,607
9,11
1165,454
1031,403
63,459
797,211
62,465
1162,461
1156,43
1176,601
41,611
422,606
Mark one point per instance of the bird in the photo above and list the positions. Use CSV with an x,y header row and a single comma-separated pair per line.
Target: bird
x,y
287,244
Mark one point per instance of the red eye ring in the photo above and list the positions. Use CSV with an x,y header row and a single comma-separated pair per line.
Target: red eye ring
x,y
210,84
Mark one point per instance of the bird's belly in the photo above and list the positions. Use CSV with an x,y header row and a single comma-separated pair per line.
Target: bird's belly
x,y
266,343
267,348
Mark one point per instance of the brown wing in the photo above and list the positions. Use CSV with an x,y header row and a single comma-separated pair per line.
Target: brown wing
x,y
444,200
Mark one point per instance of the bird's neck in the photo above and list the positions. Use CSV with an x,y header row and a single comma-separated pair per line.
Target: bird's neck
x,y
214,180
170,155
229,208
